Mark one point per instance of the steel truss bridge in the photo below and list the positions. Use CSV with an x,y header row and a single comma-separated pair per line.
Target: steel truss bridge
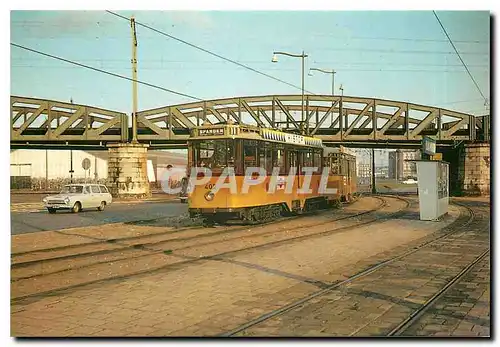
x,y
351,121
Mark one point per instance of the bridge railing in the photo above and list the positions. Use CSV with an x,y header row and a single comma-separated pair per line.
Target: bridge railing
x,y
331,118
54,121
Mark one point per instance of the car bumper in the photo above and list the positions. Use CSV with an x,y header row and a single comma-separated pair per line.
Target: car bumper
x,y
58,206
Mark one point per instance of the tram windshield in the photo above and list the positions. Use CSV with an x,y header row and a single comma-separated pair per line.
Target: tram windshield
x,y
214,154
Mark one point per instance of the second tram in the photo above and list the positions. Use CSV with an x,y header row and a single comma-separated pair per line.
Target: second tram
x,y
239,147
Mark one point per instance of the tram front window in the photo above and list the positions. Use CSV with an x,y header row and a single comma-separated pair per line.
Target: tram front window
x,y
214,154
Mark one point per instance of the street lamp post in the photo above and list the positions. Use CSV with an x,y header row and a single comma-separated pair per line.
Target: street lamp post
x,y
302,56
332,72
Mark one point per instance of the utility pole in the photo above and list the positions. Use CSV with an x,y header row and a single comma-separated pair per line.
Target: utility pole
x,y
46,170
71,166
134,82
95,169
70,156
374,189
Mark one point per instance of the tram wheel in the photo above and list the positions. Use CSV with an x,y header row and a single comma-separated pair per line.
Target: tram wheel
x,y
209,223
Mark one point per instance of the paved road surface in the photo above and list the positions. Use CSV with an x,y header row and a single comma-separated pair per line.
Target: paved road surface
x,y
28,222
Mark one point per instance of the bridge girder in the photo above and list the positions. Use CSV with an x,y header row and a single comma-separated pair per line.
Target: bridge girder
x,y
363,120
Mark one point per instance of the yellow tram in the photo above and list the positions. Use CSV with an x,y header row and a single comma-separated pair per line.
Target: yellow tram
x,y
224,147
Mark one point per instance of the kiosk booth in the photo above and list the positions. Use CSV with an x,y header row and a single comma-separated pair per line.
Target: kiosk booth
x,y
433,183
433,188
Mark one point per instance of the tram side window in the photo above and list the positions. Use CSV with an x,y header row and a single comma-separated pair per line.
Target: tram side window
x,y
280,160
266,157
250,148
317,160
213,154
335,165
345,168
308,158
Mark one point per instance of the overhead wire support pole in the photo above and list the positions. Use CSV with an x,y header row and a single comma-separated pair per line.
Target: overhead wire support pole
x,y
134,80
303,119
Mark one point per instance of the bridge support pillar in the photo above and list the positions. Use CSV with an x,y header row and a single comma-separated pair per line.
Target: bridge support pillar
x,y
127,170
476,169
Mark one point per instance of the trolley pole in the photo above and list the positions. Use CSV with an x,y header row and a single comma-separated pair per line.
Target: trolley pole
x,y
374,189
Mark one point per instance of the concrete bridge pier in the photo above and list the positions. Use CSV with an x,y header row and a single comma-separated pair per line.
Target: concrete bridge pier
x,y
476,169
469,168
127,170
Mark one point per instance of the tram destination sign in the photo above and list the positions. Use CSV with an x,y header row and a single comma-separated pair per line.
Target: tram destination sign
x,y
211,132
296,139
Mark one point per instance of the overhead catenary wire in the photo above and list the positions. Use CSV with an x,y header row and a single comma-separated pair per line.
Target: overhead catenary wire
x,y
183,61
209,52
39,23
104,71
364,50
275,69
458,54
401,39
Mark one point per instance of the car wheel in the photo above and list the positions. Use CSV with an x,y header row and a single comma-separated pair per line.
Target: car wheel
x,y
77,207
101,207
51,210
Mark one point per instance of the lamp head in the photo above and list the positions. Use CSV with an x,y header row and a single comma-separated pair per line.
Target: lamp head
x,y
275,58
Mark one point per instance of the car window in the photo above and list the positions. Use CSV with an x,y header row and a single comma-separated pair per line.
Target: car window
x,y
104,189
95,189
72,190
87,190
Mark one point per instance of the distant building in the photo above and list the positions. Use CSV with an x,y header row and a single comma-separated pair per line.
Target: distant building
x,y
382,171
399,166
31,168
364,173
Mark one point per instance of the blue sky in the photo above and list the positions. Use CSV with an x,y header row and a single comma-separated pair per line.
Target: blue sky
x,y
391,55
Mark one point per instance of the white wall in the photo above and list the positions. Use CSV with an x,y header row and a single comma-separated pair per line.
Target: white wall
x,y
58,163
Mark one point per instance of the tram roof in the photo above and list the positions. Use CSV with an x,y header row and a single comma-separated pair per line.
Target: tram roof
x,y
224,131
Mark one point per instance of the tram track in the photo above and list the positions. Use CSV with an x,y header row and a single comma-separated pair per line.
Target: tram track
x,y
450,230
188,260
143,245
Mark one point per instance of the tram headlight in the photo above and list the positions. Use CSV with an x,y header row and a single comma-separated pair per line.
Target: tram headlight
x,y
209,196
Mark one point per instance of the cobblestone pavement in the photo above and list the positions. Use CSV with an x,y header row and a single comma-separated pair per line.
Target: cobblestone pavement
x,y
377,303
213,295
463,311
